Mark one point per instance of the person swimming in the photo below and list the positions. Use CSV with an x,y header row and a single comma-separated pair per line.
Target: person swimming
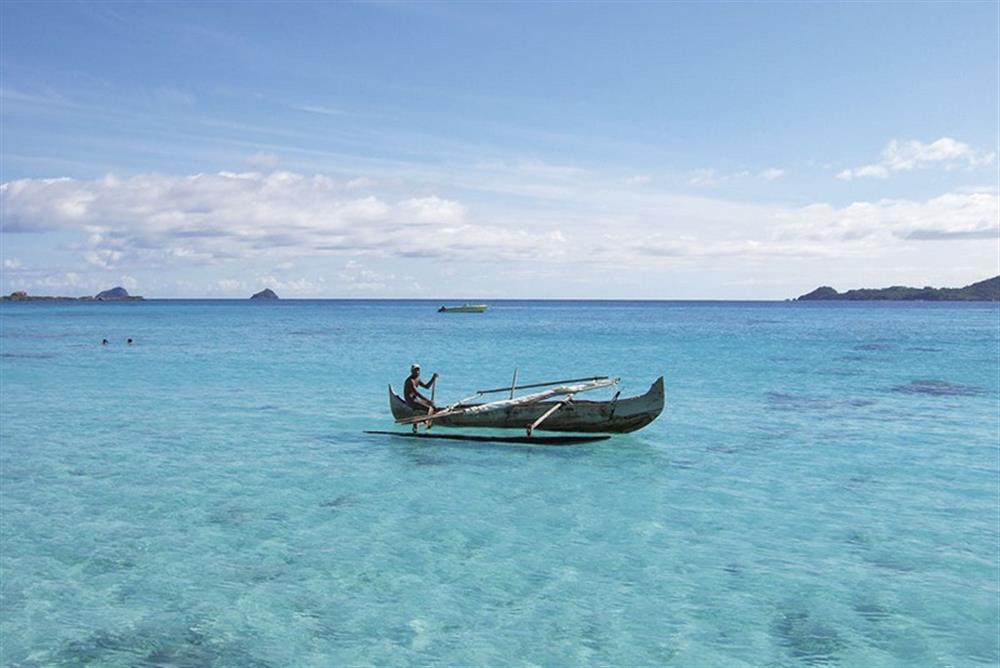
x,y
129,341
104,342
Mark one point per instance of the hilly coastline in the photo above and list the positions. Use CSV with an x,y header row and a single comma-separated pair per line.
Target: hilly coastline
x,y
116,294
983,291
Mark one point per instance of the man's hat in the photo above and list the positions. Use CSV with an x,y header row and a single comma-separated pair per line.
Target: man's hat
x,y
414,366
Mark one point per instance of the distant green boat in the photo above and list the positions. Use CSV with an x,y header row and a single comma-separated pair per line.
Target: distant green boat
x,y
464,308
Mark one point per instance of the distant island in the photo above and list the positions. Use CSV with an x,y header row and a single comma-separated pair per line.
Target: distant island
x,y
266,293
116,294
112,294
983,291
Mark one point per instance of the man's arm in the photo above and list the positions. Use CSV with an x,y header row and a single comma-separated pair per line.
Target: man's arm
x,y
430,382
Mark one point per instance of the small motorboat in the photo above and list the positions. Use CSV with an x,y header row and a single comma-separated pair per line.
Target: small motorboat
x,y
464,308
553,409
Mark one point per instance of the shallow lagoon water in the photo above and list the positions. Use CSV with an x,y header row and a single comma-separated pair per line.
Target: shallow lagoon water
x,y
822,488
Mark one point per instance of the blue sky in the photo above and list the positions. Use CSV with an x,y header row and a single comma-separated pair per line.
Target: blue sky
x,y
685,150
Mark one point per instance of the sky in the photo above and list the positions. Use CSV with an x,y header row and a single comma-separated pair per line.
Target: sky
x,y
497,150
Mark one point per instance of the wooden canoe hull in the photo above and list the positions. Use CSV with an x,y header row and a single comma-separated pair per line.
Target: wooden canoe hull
x,y
606,417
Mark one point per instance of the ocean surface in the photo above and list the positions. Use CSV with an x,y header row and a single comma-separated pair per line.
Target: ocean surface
x,y
821,489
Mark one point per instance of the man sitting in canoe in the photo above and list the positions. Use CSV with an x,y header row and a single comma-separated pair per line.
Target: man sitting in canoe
x,y
412,395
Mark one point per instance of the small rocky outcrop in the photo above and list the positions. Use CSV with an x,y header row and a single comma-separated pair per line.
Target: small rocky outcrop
x,y
115,293
266,293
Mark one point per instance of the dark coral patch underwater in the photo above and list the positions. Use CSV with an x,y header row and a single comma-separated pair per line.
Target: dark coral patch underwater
x,y
184,648
800,402
808,640
939,388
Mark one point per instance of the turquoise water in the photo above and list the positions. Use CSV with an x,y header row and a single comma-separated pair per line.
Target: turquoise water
x,y
822,488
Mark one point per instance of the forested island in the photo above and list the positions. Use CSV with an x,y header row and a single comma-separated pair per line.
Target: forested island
x,y
983,291
116,294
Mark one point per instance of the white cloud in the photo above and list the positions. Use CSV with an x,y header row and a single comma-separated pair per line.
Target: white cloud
x,y
253,227
877,171
155,220
60,283
533,168
300,287
104,258
958,215
433,210
263,159
710,178
368,208
907,155
360,183
12,263
705,177
355,278
317,109
636,180
864,229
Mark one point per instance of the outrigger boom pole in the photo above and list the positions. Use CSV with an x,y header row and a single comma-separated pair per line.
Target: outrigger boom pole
x,y
567,390
554,382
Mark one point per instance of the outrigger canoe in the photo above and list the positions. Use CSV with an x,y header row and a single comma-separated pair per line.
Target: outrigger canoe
x,y
464,308
555,409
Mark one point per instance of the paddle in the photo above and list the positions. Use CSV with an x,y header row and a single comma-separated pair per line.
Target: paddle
x,y
430,411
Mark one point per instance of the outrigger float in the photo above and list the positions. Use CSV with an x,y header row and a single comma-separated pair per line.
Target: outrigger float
x,y
553,409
